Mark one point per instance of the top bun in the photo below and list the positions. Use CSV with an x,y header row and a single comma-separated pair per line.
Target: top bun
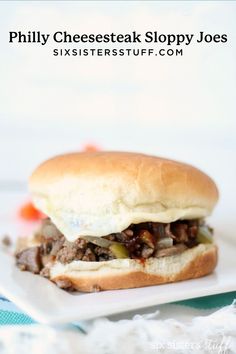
x,y
98,193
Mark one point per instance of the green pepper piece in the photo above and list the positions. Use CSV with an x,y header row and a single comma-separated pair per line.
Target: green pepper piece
x,y
204,235
119,250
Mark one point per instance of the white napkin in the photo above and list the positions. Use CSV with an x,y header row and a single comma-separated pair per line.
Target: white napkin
x,y
214,333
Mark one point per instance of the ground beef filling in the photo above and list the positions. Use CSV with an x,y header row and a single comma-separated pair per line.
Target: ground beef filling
x,y
140,241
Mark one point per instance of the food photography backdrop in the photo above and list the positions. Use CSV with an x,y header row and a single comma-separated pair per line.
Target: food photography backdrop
x,y
181,107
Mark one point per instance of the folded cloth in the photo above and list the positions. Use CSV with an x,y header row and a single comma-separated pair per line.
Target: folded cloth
x,y
11,314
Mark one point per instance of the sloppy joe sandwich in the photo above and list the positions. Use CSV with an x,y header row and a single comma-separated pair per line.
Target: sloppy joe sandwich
x,y
119,220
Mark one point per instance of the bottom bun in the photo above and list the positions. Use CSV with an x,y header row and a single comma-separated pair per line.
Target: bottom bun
x,y
131,273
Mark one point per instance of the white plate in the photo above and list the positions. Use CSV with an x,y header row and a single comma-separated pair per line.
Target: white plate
x,y
48,304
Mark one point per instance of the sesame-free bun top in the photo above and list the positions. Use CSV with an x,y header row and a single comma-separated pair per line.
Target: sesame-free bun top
x,y
98,193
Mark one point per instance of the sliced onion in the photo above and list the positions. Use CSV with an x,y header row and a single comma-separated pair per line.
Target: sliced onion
x,y
99,241
165,242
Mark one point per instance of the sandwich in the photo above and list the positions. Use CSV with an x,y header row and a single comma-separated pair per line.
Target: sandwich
x,y
117,220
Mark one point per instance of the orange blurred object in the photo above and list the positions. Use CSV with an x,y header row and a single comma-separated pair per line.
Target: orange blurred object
x,y
90,148
30,213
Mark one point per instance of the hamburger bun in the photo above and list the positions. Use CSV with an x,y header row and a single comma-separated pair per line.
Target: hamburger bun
x,y
130,273
98,193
